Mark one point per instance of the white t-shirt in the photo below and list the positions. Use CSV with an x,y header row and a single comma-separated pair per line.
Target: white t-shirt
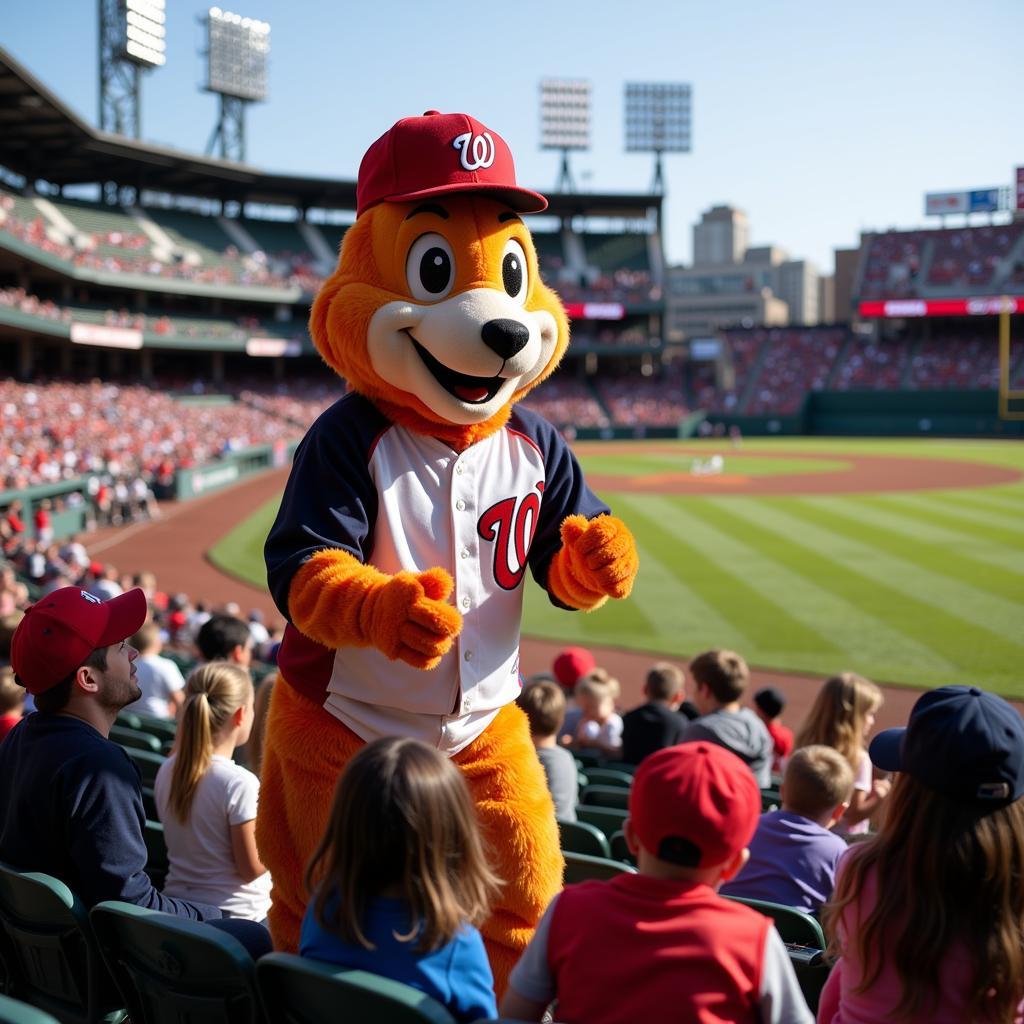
x,y
158,678
202,861
608,733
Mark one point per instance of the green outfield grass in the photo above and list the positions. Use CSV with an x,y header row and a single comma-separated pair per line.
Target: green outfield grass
x,y
922,588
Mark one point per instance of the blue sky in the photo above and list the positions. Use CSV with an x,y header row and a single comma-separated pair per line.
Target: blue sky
x,y
819,120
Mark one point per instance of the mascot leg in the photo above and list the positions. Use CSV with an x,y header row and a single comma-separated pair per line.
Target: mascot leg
x,y
518,820
304,753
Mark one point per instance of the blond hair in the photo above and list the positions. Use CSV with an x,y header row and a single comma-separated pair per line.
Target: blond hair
x,y
838,715
817,780
599,684
213,693
402,816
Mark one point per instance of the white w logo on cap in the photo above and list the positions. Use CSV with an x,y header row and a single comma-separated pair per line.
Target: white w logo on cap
x,y
475,151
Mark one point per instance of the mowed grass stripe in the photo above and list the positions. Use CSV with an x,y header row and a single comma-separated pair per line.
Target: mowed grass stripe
x,y
1004,522
968,538
766,622
846,628
970,522
774,525
939,558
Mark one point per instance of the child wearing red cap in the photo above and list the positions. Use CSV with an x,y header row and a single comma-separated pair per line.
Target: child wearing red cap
x,y
626,949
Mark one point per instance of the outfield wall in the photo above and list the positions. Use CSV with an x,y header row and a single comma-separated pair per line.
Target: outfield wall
x,y
886,414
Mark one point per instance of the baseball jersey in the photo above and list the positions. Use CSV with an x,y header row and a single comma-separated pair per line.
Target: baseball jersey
x,y
399,500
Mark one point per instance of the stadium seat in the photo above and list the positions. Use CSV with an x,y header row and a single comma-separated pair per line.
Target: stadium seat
x,y
297,990
608,819
620,848
161,728
149,804
771,800
13,1011
589,758
129,720
136,739
606,796
581,868
581,837
170,969
148,764
812,970
608,777
157,863
792,925
50,950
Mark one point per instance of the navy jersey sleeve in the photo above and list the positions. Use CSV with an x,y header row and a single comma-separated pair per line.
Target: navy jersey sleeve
x,y
565,491
330,500
105,843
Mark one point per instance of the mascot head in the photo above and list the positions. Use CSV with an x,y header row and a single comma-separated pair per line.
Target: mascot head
x,y
436,311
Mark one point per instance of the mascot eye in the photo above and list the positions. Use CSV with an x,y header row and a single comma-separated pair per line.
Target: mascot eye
x,y
430,268
513,271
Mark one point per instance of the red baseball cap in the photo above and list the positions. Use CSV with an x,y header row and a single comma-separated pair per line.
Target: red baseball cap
x,y
59,632
571,665
436,154
695,804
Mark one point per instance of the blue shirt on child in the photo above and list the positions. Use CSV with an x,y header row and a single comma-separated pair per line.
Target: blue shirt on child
x,y
457,975
792,861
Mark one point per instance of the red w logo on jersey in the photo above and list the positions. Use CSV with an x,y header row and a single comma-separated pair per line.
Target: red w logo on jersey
x,y
511,524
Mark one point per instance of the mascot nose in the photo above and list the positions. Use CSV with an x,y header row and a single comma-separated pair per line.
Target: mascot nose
x,y
506,337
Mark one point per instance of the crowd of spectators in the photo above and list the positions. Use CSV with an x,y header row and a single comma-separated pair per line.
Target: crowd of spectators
x,y
796,361
624,285
893,264
567,402
968,361
59,430
645,401
971,257
873,364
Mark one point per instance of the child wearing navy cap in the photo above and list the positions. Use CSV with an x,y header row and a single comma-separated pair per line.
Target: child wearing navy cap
x,y
928,918
662,943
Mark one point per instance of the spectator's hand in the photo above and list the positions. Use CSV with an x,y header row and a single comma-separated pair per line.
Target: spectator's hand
x,y
880,788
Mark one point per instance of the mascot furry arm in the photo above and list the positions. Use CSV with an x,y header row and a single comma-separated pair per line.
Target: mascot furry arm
x,y
416,504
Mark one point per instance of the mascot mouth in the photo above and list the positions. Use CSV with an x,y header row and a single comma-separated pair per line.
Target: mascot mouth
x,y
464,386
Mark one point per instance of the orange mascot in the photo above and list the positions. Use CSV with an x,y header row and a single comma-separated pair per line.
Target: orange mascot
x,y
414,507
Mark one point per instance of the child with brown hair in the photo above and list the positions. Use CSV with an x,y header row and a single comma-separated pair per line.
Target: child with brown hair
x,y
794,855
400,879
842,717
928,916
207,803
544,705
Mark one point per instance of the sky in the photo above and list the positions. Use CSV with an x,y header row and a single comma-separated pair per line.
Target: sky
x,y
819,120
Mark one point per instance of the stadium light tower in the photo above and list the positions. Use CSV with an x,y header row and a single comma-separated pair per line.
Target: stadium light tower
x,y
657,121
132,39
237,50
564,121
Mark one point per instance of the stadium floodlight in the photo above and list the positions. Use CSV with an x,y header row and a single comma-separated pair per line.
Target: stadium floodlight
x,y
657,120
237,51
237,55
564,120
133,39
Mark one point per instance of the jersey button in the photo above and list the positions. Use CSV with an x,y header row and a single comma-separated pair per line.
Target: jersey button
x,y
467,705
465,602
460,505
464,553
458,468
468,656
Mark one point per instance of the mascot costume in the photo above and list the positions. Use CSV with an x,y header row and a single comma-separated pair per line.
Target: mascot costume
x,y
414,507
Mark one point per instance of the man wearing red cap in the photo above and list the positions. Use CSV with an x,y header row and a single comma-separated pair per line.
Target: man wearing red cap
x,y
662,944
70,800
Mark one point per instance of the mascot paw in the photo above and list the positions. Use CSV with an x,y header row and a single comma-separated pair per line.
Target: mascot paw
x,y
598,560
411,620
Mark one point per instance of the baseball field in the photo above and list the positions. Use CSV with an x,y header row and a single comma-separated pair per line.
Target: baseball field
x,y
903,560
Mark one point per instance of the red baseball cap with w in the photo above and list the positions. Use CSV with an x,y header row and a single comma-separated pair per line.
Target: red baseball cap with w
x,y
59,632
438,154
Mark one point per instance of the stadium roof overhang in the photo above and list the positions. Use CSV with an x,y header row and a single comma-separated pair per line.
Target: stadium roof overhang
x,y
42,139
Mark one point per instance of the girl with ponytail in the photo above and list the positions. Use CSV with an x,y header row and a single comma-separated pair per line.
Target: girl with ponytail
x,y
207,803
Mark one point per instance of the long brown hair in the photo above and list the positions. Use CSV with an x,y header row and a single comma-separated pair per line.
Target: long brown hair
x,y
945,872
402,815
214,692
837,716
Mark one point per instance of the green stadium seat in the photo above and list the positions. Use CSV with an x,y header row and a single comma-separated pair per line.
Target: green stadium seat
x,y
581,837
608,777
148,764
579,867
135,739
620,849
812,970
129,720
771,800
587,758
170,969
149,804
606,796
50,951
792,925
608,819
297,990
161,728
13,1011
157,862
